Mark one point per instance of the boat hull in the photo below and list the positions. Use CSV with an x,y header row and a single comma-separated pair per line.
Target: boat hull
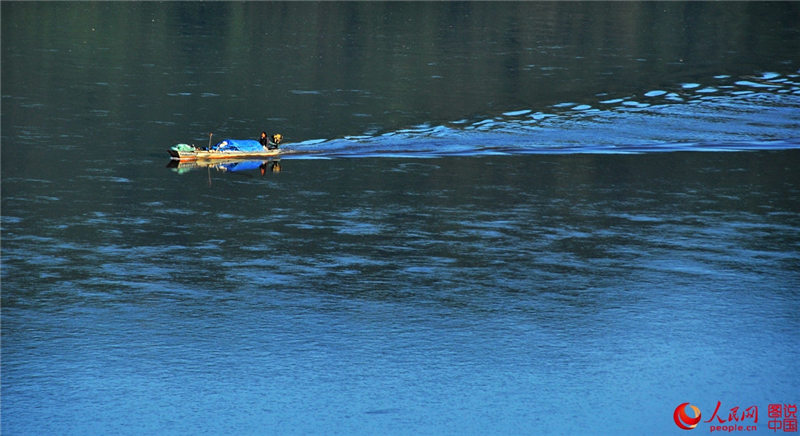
x,y
208,155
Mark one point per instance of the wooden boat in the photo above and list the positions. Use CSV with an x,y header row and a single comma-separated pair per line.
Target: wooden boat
x,y
225,149
202,155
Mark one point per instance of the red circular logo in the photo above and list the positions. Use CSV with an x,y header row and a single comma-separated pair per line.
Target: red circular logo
x,y
683,420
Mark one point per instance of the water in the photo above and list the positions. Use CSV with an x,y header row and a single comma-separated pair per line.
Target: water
x,y
504,219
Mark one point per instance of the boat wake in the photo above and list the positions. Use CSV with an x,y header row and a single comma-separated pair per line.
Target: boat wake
x,y
758,112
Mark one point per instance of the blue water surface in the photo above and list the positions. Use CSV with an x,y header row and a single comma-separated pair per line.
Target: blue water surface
x,y
489,218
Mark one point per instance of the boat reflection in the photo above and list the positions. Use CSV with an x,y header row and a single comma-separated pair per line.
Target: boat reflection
x,y
228,165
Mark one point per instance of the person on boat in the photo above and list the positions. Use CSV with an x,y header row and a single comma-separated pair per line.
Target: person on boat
x,y
267,142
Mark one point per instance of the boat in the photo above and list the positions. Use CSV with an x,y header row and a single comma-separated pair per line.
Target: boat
x,y
225,149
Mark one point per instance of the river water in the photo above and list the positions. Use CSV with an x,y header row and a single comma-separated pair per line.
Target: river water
x,y
514,218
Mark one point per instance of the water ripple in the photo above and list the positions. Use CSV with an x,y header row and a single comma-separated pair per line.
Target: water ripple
x,y
729,115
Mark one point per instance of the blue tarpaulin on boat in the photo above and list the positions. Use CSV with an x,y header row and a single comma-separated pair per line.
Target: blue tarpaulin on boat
x,y
239,145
